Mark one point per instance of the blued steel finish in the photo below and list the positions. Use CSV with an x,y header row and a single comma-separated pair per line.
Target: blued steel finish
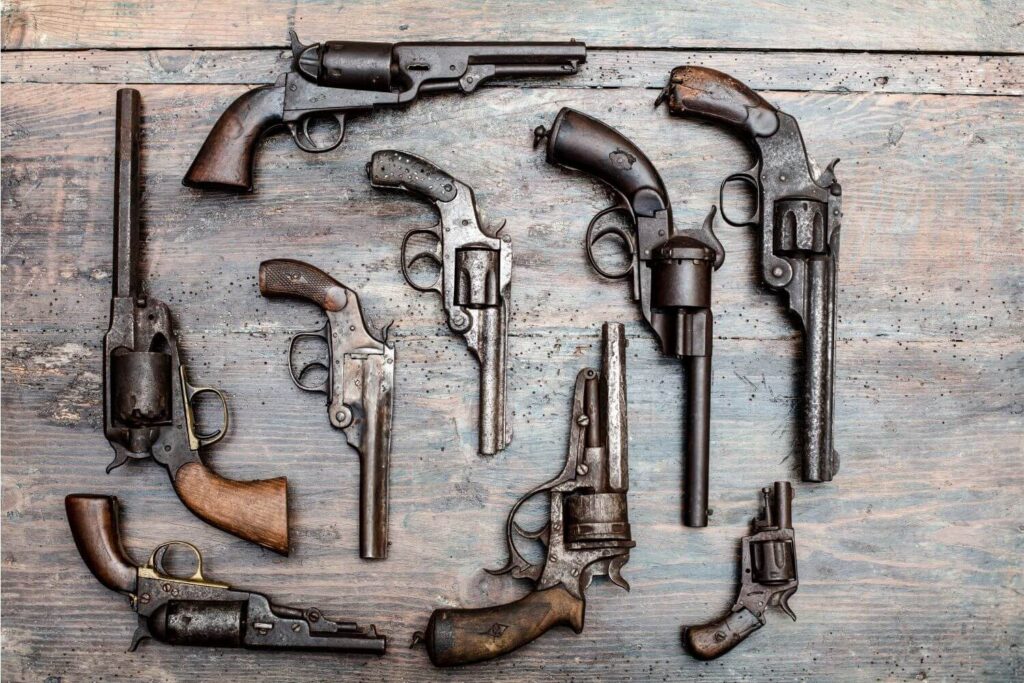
x,y
193,610
799,212
587,533
670,270
475,278
768,577
337,78
359,384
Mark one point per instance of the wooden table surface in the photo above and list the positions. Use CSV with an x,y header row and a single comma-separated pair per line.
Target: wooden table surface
x,y
910,560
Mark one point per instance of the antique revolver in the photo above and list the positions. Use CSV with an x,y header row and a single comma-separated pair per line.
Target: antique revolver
x,y
587,533
194,610
799,212
671,270
147,398
474,278
768,578
359,384
338,78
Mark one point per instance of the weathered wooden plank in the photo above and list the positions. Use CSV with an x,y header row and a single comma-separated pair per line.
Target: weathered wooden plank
x,y
838,72
960,25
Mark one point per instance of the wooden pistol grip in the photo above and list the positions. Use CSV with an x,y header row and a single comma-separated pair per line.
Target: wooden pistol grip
x,y
718,96
464,636
254,510
401,170
226,159
715,638
93,521
288,277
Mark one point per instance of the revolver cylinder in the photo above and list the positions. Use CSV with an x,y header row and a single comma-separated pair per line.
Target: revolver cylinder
x,y
476,277
142,387
347,64
681,275
194,622
596,517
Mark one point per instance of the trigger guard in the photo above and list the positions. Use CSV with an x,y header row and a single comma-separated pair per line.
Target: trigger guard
x,y
300,133
157,560
434,286
750,181
593,237
319,389
213,436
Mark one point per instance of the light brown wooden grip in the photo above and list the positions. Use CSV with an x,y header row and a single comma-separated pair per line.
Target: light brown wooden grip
x,y
256,510
288,277
719,96
226,159
93,521
715,638
464,636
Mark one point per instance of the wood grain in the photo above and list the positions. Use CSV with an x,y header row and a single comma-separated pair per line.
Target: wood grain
x,y
909,560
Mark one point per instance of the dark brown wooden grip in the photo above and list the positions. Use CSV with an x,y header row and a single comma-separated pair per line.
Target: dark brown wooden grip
x,y
719,96
226,159
464,636
288,277
393,169
254,510
93,521
715,638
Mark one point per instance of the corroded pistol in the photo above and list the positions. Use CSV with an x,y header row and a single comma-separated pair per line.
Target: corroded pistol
x,y
359,384
587,533
768,578
338,78
147,398
670,270
799,212
194,610
474,278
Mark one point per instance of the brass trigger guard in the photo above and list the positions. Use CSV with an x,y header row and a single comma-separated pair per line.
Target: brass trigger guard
x,y
156,561
751,181
189,392
595,235
323,335
434,256
300,133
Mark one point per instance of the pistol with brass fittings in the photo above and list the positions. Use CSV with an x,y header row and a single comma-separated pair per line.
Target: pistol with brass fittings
x,y
768,578
193,610
587,533
147,397
338,78
359,383
670,270
474,279
798,210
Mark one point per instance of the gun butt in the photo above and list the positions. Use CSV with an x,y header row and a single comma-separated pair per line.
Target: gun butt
x,y
256,511
94,526
715,638
226,159
291,278
398,170
820,462
464,636
720,97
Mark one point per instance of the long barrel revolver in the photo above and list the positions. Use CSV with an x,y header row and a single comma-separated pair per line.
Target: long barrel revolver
x,y
587,533
338,78
799,212
194,610
768,578
670,270
359,384
147,398
474,278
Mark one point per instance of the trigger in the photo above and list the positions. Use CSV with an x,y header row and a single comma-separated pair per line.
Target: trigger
x,y
141,633
120,458
784,603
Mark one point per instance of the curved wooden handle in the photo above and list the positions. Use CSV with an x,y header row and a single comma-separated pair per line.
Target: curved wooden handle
x,y
226,159
93,521
719,96
464,636
401,170
715,638
254,510
288,277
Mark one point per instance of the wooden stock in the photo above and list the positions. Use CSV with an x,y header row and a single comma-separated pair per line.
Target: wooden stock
x,y
288,277
254,510
226,159
719,96
464,636
93,521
